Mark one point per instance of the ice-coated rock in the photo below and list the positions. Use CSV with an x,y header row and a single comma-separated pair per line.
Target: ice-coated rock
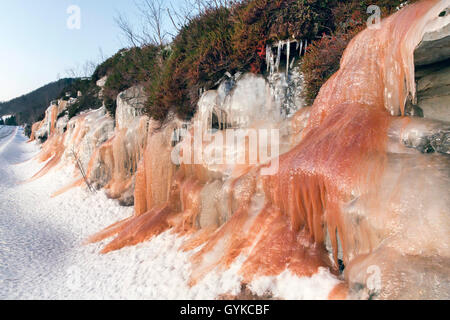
x,y
130,105
424,135
86,132
287,91
432,61
49,123
247,99
435,45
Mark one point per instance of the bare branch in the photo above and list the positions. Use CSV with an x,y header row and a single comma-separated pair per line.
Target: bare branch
x,y
127,30
153,13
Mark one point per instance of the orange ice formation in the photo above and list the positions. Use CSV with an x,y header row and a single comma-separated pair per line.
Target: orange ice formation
x,y
345,182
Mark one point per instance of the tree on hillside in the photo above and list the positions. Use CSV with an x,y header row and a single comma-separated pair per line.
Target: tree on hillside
x,y
29,107
11,121
152,27
82,70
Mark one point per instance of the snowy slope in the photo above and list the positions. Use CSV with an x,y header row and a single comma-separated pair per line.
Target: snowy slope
x,y
42,255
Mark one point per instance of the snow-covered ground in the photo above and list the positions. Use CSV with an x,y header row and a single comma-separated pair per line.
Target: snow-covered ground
x,y
42,255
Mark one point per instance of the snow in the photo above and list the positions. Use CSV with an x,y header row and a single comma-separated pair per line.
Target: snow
x,y
287,285
6,117
42,255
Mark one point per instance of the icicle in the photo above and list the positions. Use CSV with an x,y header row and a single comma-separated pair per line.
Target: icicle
x,y
277,64
292,63
268,57
306,45
301,48
288,53
270,60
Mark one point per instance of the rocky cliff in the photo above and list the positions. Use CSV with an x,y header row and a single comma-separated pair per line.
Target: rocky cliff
x,y
354,178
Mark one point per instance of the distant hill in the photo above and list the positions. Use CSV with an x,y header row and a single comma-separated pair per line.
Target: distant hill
x,y
30,107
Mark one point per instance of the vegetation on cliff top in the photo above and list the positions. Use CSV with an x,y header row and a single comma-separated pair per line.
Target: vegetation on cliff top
x,y
9,121
234,39
231,38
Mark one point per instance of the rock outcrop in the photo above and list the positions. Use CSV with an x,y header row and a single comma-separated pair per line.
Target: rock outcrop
x,y
382,210
46,127
101,84
86,132
435,45
433,90
105,152
432,60
130,106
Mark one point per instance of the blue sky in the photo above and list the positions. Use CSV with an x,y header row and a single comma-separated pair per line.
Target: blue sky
x,y
37,45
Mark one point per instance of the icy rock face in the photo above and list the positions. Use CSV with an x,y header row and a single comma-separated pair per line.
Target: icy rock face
x,y
105,155
44,132
434,94
87,132
287,91
130,106
127,145
286,86
110,151
249,100
127,148
387,209
413,262
244,100
61,124
424,135
48,125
